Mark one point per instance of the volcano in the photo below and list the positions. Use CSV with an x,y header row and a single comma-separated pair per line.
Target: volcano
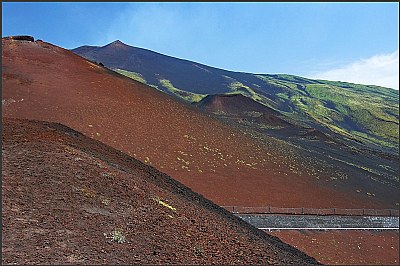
x,y
225,164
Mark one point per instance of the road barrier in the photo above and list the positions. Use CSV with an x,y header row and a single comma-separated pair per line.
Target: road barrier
x,y
312,211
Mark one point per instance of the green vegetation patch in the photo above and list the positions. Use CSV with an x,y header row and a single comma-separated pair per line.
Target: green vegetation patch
x,y
132,75
372,116
365,112
238,87
185,95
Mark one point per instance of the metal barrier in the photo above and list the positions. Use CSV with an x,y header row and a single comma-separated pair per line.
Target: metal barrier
x,y
312,211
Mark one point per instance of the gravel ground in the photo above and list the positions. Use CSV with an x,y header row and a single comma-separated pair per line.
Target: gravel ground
x,y
346,247
69,199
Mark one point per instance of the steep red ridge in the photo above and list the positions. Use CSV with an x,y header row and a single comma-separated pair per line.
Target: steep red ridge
x,y
69,199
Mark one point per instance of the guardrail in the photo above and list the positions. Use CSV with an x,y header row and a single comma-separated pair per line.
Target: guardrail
x,y
312,211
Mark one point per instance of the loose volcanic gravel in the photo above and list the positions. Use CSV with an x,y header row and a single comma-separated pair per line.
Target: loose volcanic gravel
x,y
69,199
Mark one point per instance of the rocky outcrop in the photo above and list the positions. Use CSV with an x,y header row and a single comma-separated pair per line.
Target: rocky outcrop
x,y
21,38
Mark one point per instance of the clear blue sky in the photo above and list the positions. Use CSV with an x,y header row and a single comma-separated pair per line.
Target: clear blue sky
x,y
307,39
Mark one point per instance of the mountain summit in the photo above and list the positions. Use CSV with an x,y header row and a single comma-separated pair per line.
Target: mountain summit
x,y
117,44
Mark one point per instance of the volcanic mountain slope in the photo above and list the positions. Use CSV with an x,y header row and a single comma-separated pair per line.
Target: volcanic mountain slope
x,y
363,112
346,247
353,125
243,107
227,165
67,198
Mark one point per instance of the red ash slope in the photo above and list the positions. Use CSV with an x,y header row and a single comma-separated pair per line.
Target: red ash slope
x,y
63,196
346,247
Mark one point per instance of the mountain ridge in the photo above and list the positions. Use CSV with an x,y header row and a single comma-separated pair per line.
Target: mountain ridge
x,y
330,106
227,70
153,52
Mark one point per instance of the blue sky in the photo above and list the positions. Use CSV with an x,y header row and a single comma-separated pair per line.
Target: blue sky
x,y
356,42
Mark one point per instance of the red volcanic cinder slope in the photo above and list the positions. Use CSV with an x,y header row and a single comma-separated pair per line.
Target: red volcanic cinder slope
x,y
69,199
45,82
346,247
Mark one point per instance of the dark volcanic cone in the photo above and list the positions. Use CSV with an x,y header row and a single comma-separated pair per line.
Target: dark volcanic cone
x,y
243,107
